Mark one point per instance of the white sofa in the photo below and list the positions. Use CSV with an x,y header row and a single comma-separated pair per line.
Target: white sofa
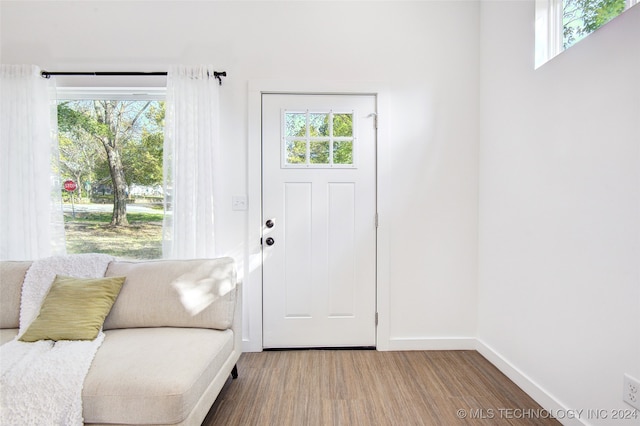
x,y
159,363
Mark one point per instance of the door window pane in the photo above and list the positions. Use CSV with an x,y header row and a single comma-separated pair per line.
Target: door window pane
x,y
318,125
343,152
296,124
320,139
343,125
296,152
319,152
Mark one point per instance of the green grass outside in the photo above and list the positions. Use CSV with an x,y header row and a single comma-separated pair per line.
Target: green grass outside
x,y
91,233
105,217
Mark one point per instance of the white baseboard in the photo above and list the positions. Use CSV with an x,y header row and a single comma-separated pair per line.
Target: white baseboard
x,y
430,344
251,346
563,414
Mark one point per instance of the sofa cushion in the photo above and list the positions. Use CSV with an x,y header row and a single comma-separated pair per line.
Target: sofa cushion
x,y
174,293
11,278
152,375
74,309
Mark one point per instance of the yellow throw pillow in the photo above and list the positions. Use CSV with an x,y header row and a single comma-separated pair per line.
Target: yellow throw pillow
x,y
74,309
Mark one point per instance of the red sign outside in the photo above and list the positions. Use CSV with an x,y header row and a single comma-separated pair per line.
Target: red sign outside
x,y
70,185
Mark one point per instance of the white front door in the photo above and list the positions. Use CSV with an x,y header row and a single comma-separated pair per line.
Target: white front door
x,y
319,220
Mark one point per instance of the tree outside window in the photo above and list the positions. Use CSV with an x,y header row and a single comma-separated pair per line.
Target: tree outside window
x,y
562,23
582,17
113,150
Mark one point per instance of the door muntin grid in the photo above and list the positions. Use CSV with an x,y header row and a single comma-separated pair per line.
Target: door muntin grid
x,y
318,139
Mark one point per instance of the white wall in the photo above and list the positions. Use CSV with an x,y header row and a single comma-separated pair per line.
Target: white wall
x,y
559,212
558,291
426,52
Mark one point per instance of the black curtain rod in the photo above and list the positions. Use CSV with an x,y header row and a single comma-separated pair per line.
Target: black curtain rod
x,y
47,74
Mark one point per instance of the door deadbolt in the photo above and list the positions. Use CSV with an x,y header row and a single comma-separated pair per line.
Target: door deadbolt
x,y
269,223
270,241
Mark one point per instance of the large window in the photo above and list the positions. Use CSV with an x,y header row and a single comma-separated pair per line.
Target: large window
x,y
111,152
562,23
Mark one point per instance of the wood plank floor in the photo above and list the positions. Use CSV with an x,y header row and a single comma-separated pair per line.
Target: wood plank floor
x,y
367,387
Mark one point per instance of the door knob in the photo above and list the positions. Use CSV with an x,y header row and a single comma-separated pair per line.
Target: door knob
x,y
270,241
269,223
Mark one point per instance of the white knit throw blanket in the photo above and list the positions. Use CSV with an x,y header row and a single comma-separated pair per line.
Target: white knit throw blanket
x,y
41,382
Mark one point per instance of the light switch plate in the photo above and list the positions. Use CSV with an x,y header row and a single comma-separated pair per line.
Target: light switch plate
x,y
239,202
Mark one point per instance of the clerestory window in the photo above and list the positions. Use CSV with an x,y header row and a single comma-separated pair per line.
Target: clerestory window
x,y
562,23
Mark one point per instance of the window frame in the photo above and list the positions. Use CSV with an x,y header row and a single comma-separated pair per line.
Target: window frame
x,y
102,93
112,93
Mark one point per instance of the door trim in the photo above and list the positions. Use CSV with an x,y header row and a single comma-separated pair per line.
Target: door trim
x,y
252,287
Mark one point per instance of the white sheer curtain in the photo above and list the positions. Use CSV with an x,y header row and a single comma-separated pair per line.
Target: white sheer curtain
x,y
31,222
190,151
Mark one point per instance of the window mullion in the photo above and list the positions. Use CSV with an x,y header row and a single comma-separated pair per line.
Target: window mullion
x,y
556,27
331,138
308,141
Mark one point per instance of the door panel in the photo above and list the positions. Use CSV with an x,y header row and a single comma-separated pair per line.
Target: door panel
x,y
319,257
296,224
342,255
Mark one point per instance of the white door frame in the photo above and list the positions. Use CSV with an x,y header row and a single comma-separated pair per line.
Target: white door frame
x,y
252,286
